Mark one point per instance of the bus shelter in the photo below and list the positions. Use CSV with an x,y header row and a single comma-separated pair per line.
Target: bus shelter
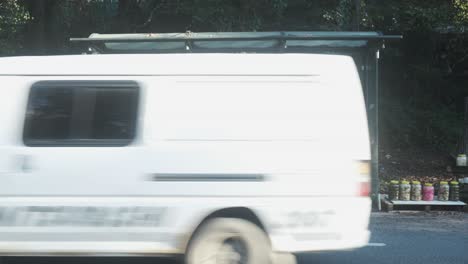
x,y
364,47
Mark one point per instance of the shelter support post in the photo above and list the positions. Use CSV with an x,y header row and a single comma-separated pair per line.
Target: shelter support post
x,y
372,103
464,148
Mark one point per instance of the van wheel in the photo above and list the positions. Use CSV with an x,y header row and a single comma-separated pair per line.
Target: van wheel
x,y
229,241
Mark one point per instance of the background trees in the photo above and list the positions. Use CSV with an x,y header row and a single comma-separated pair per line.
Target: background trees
x,y
424,77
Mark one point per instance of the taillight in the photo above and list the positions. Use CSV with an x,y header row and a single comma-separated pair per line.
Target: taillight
x,y
364,168
363,172
364,189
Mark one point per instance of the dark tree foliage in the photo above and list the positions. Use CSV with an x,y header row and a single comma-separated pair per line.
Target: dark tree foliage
x,y
424,77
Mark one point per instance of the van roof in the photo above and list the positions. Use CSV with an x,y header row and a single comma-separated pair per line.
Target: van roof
x,y
174,64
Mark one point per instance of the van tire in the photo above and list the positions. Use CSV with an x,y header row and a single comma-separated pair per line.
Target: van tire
x,y
229,239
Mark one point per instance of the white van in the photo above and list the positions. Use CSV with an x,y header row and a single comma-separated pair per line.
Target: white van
x,y
216,156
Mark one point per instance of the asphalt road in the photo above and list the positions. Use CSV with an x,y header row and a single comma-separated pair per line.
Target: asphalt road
x,y
414,238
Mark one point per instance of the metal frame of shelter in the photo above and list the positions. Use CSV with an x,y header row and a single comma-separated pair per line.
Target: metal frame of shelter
x,y
364,47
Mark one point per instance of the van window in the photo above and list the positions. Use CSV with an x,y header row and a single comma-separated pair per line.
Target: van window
x,y
77,113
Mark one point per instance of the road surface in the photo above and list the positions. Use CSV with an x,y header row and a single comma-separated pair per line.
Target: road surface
x,y
414,238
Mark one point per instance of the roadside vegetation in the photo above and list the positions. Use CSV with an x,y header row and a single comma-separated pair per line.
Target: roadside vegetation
x,y
424,78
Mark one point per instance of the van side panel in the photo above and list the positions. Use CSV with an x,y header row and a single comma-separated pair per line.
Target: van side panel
x,y
12,110
273,143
